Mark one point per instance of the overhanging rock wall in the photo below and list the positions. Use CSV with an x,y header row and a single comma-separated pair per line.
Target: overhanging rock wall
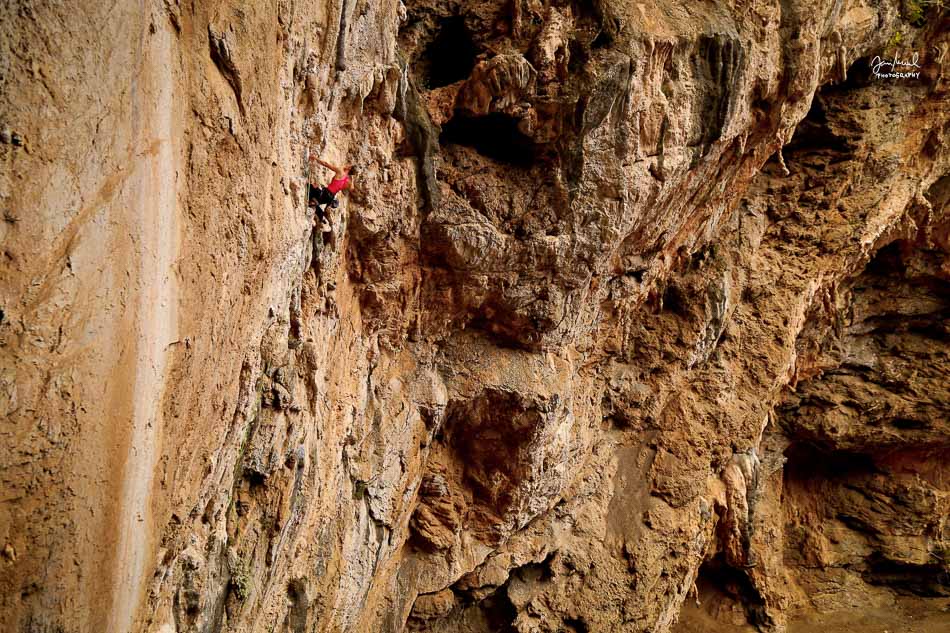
x,y
637,316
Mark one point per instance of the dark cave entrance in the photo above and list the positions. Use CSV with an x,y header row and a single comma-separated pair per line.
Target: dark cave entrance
x,y
451,55
675,301
814,133
827,131
908,579
722,589
494,136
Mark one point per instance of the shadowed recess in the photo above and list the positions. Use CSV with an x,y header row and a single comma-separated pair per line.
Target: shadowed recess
x,y
494,136
451,55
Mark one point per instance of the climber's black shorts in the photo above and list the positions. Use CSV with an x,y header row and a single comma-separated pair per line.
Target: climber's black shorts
x,y
319,196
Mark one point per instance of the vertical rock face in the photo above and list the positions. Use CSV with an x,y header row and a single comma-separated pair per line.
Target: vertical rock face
x,y
636,318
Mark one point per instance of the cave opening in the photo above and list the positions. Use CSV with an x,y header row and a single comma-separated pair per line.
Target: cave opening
x,y
809,461
450,57
603,40
299,603
500,612
909,424
814,133
722,589
675,301
577,625
857,76
495,136
926,581
887,260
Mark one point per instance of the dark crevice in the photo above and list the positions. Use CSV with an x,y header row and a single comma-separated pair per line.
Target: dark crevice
x,y
717,62
908,424
813,134
500,611
717,581
928,581
854,523
674,301
578,625
939,193
224,61
807,461
579,57
603,40
887,261
858,76
255,478
299,604
494,136
936,330
538,572
451,55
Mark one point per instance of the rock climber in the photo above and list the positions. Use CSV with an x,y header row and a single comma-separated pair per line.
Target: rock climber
x,y
326,196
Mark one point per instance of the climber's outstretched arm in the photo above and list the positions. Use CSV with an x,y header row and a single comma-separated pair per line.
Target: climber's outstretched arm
x,y
338,171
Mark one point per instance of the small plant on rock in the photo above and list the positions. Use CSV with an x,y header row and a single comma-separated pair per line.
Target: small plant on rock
x,y
915,11
894,41
240,582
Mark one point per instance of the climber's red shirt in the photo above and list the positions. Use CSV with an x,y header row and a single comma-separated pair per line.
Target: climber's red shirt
x,y
338,184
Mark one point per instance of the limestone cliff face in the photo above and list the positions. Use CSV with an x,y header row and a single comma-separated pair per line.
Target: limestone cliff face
x,y
636,319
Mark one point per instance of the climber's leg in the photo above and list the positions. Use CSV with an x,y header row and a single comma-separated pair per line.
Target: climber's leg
x,y
317,197
326,197
320,196
313,195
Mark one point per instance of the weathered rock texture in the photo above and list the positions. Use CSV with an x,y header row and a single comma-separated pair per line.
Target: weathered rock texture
x,y
636,319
